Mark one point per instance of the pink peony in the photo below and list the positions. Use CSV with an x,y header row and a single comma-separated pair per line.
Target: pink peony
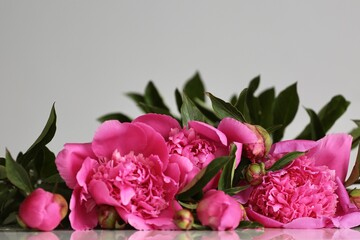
x,y
309,192
219,211
123,167
42,210
191,148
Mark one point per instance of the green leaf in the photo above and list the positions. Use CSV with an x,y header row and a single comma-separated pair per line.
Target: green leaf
x,y
48,166
190,112
285,160
316,127
285,108
274,128
178,99
137,98
355,133
114,116
208,113
357,122
56,178
242,105
233,100
191,206
153,109
194,88
328,115
2,172
253,102
224,109
45,137
266,101
17,174
248,224
235,190
227,175
202,178
152,97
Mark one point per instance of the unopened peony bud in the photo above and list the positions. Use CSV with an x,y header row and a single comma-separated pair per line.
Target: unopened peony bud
x,y
254,173
261,147
355,197
42,210
184,219
109,218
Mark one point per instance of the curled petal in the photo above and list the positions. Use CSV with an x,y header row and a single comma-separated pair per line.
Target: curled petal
x,y
291,146
70,159
160,122
265,221
100,193
83,214
236,131
333,151
208,131
349,220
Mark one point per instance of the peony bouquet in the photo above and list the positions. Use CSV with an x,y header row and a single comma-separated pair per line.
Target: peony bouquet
x,y
221,167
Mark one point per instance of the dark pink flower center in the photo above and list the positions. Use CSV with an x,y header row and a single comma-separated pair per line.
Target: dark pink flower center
x,y
187,143
135,181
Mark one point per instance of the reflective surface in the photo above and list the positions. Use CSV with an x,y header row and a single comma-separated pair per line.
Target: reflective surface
x,y
262,234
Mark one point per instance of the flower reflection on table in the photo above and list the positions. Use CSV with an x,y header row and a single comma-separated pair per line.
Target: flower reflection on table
x,y
257,234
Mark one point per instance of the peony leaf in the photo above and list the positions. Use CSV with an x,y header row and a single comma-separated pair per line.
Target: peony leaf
x,y
153,109
242,105
285,160
357,122
208,113
190,112
45,137
178,99
253,102
17,174
328,115
272,129
114,116
285,108
137,98
355,133
153,98
236,190
202,178
316,128
194,88
191,206
227,175
266,101
355,173
224,109
248,224
2,172
56,178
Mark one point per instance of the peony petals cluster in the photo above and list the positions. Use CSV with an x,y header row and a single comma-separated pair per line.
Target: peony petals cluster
x,y
309,193
42,210
126,167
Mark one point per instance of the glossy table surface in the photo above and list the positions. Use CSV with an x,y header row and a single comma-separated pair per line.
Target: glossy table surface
x,y
259,234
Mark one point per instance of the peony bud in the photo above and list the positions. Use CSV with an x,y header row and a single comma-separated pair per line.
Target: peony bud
x,y
254,173
42,210
261,147
109,218
219,211
184,219
355,197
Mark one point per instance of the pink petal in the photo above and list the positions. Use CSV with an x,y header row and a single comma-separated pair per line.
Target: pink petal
x,y
208,131
333,151
126,137
349,220
160,122
307,222
267,222
100,193
236,131
344,200
70,159
238,152
81,217
86,169
126,194
291,146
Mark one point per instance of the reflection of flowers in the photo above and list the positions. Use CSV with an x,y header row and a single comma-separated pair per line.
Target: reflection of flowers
x,y
123,167
309,192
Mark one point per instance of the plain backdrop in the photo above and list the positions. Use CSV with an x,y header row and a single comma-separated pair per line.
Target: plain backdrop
x,y
85,55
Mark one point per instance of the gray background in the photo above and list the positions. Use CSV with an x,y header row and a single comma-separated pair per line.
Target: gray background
x,y
84,55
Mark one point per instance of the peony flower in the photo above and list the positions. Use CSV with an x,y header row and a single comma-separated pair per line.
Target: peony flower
x,y
309,192
256,139
42,210
124,167
219,211
190,148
